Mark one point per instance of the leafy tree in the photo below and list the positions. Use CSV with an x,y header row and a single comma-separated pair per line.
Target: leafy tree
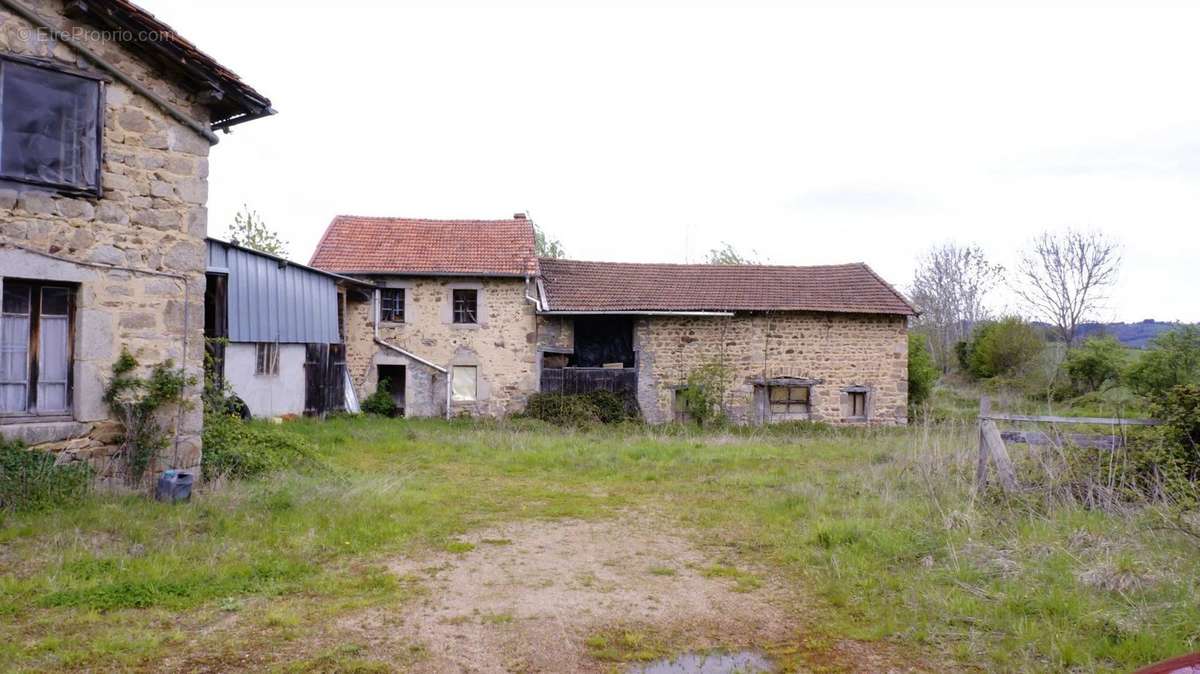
x,y
922,372
1063,277
950,286
1173,359
1098,361
544,246
249,230
1005,347
726,254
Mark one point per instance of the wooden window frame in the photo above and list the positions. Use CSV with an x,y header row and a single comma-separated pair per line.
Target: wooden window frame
x,y
395,313
805,405
266,359
95,191
33,362
461,312
854,398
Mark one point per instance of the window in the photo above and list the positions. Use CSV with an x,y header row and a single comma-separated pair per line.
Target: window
x,y
391,305
466,306
465,383
789,399
35,348
266,359
858,404
49,127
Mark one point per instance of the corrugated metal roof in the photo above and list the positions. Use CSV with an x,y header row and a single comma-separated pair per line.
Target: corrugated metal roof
x,y
272,300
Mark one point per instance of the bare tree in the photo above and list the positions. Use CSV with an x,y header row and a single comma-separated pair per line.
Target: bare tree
x,y
727,254
1064,277
950,286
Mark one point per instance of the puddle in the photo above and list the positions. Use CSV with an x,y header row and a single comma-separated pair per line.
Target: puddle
x,y
745,662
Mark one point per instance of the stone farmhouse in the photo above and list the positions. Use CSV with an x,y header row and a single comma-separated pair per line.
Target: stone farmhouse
x,y
466,319
106,120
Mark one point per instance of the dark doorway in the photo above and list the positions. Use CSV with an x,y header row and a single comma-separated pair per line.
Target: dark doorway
x,y
601,341
216,326
394,377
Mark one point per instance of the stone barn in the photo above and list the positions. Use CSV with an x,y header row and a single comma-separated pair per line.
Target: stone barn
x,y
467,320
105,128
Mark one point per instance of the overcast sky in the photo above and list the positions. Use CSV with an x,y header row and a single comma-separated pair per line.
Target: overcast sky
x,y
811,136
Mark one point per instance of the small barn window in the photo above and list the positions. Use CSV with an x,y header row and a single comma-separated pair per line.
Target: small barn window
x,y
858,404
466,305
465,386
50,124
266,359
391,305
35,348
789,399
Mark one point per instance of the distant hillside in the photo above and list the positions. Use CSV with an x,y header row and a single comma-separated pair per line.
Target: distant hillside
x,y
1136,335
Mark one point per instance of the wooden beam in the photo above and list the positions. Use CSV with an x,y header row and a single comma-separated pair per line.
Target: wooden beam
x,y
999,454
1100,421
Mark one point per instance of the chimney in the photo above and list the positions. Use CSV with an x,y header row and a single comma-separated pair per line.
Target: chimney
x,y
519,216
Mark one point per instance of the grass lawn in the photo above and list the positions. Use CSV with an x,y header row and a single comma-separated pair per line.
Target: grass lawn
x,y
879,530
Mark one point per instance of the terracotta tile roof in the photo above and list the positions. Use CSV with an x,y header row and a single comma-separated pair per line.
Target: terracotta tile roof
x,y
354,244
573,285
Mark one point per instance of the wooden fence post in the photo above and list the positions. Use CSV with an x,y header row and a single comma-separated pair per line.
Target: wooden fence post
x,y
981,470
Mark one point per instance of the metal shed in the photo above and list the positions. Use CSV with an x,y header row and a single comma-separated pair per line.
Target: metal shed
x,y
273,330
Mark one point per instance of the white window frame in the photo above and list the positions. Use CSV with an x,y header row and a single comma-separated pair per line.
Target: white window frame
x,y
266,359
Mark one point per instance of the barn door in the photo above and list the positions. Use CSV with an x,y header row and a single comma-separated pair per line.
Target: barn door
x,y
324,378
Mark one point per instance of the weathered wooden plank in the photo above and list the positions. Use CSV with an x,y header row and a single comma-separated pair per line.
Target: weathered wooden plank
x,y
999,455
1085,440
1102,421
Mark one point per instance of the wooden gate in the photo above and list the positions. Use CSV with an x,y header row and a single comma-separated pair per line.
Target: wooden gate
x,y
324,379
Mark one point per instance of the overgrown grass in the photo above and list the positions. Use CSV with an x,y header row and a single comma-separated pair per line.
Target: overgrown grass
x,y
881,526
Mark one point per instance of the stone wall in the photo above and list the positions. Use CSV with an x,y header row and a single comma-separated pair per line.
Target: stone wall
x,y
139,245
837,350
501,345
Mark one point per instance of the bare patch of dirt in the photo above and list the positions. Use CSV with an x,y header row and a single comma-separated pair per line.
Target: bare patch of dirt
x,y
549,596
528,597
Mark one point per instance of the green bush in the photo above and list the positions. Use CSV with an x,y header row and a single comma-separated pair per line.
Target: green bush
x,y
922,373
380,402
1173,359
1098,361
581,409
29,480
1179,410
1003,348
243,449
704,395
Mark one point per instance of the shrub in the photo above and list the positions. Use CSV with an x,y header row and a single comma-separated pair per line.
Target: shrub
x,y
243,449
1172,360
704,395
138,402
1005,347
1179,410
380,402
29,480
1097,361
922,373
580,409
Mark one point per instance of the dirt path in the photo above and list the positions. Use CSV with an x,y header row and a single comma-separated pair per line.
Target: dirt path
x,y
575,596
